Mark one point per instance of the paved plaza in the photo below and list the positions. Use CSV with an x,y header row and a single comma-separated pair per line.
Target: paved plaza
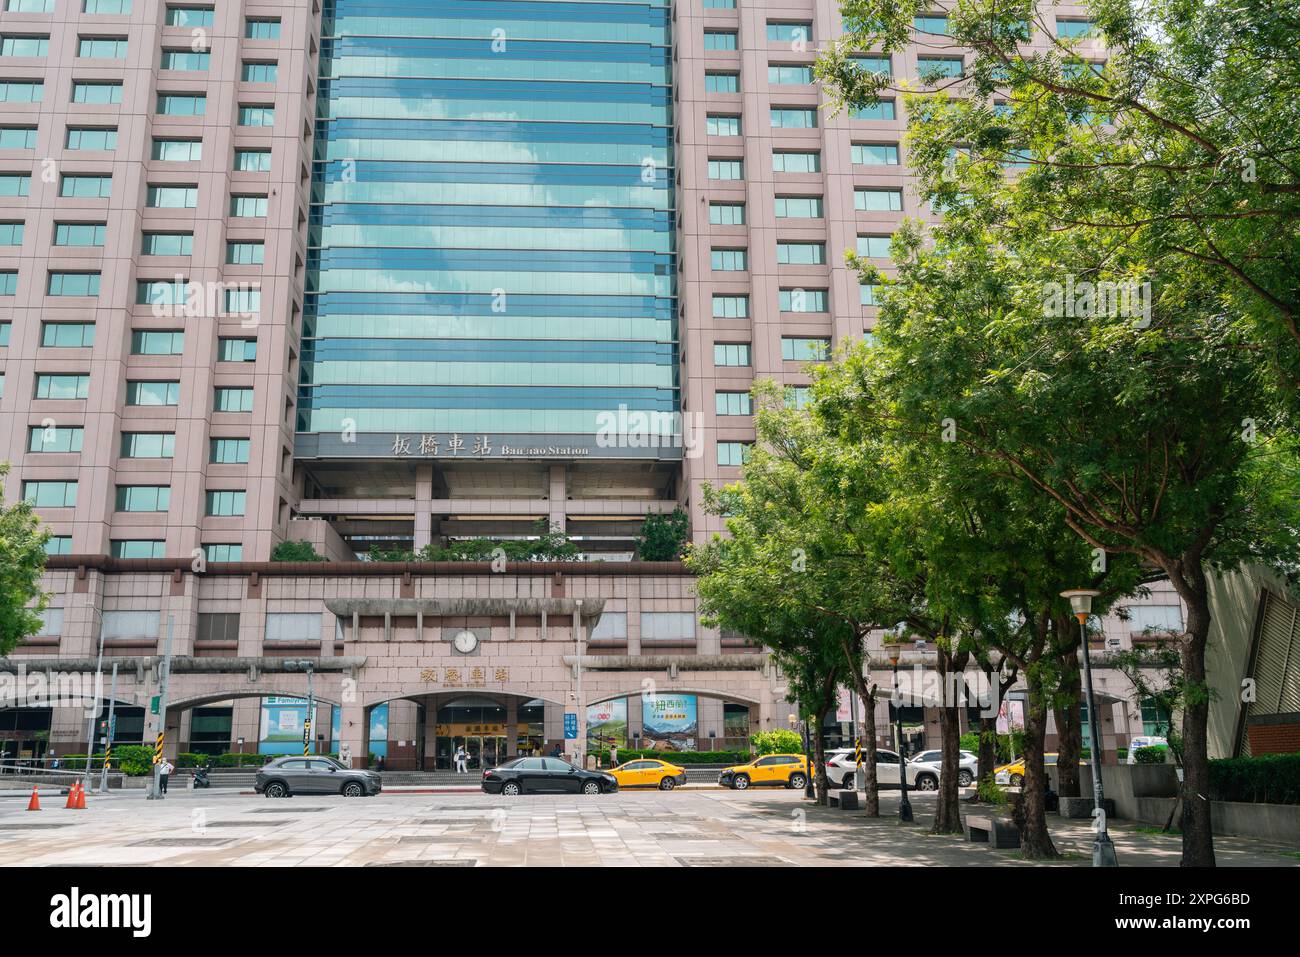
x,y
663,829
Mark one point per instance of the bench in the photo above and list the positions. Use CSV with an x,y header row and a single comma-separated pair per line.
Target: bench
x,y
844,800
992,831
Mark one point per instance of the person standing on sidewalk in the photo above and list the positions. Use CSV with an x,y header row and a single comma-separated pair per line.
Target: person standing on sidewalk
x,y
461,759
164,772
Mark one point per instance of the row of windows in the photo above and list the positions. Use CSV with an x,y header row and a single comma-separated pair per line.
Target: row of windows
x,y
135,445
805,161
800,32
142,392
90,235
133,498
180,196
167,104
152,292
797,253
736,306
163,342
255,28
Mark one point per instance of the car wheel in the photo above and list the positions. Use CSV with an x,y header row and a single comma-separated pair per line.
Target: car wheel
x,y
965,778
591,787
1017,780
927,782
667,784
353,789
850,781
511,788
798,780
740,782
276,790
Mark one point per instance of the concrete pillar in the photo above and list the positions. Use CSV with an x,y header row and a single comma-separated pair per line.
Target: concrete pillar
x,y
430,732
423,508
512,727
552,725
558,498
709,715
354,728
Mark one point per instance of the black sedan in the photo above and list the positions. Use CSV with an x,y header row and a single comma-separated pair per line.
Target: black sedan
x,y
546,776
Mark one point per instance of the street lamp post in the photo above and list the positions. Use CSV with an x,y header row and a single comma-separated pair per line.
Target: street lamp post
x,y
1103,851
904,805
581,707
94,705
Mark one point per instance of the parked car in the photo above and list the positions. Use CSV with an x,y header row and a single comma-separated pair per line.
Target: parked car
x,y
840,768
546,776
649,773
770,770
1014,773
968,765
314,775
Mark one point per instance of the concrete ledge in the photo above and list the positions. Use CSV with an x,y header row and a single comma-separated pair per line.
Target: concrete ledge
x,y
1080,808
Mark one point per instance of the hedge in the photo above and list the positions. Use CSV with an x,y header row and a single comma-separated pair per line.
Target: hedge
x,y
685,757
1266,779
134,760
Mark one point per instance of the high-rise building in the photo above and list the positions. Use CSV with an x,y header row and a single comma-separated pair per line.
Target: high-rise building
x,y
390,274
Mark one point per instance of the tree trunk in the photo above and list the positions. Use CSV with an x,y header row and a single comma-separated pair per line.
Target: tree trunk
x,y
871,800
819,759
1035,842
988,753
1069,728
1198,838
947,811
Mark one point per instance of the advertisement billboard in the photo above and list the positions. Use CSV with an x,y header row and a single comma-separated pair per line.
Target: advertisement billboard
x,y
607,725
669,722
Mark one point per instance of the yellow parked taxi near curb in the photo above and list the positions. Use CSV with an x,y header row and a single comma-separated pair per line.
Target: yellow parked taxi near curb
x,y
785,770
649,773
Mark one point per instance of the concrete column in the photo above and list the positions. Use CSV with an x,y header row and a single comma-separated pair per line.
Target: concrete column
x,y
558,498
430,732
423,508
354,727
512,727
709,714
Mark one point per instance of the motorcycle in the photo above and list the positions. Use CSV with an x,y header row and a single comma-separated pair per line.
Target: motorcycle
x,y
201,778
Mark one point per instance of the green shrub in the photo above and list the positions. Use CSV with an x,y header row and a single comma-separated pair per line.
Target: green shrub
x,y
777,741
683,757
970,741
295,552
1266,779
1154,754
989,791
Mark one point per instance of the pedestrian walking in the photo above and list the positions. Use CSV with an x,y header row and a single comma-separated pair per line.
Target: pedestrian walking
x,y
462,757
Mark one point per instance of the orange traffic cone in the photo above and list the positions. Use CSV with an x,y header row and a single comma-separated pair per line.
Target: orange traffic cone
x,y
35,803
72,796
81,798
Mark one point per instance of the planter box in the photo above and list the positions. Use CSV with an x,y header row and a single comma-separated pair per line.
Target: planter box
x,y
1080,808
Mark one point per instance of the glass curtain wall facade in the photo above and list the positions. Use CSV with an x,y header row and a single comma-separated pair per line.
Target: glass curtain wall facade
x,y
491,235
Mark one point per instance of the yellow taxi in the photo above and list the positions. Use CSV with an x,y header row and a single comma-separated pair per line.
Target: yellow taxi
x,y
785,770
1014,773
649,773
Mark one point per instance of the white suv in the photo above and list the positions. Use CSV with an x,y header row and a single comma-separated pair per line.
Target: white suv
x,y
968,767
840,768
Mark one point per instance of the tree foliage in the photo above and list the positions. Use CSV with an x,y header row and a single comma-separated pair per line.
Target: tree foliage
x,y
22,562
663,537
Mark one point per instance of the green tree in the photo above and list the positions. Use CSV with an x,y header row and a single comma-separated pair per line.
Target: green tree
x,y
289,551
1181,147
22,562
663,537
1160,441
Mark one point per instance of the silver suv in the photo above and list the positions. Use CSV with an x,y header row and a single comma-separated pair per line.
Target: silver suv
x,y
314,775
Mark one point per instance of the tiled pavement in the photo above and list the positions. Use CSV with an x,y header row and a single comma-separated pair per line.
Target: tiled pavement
x,y
682,828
